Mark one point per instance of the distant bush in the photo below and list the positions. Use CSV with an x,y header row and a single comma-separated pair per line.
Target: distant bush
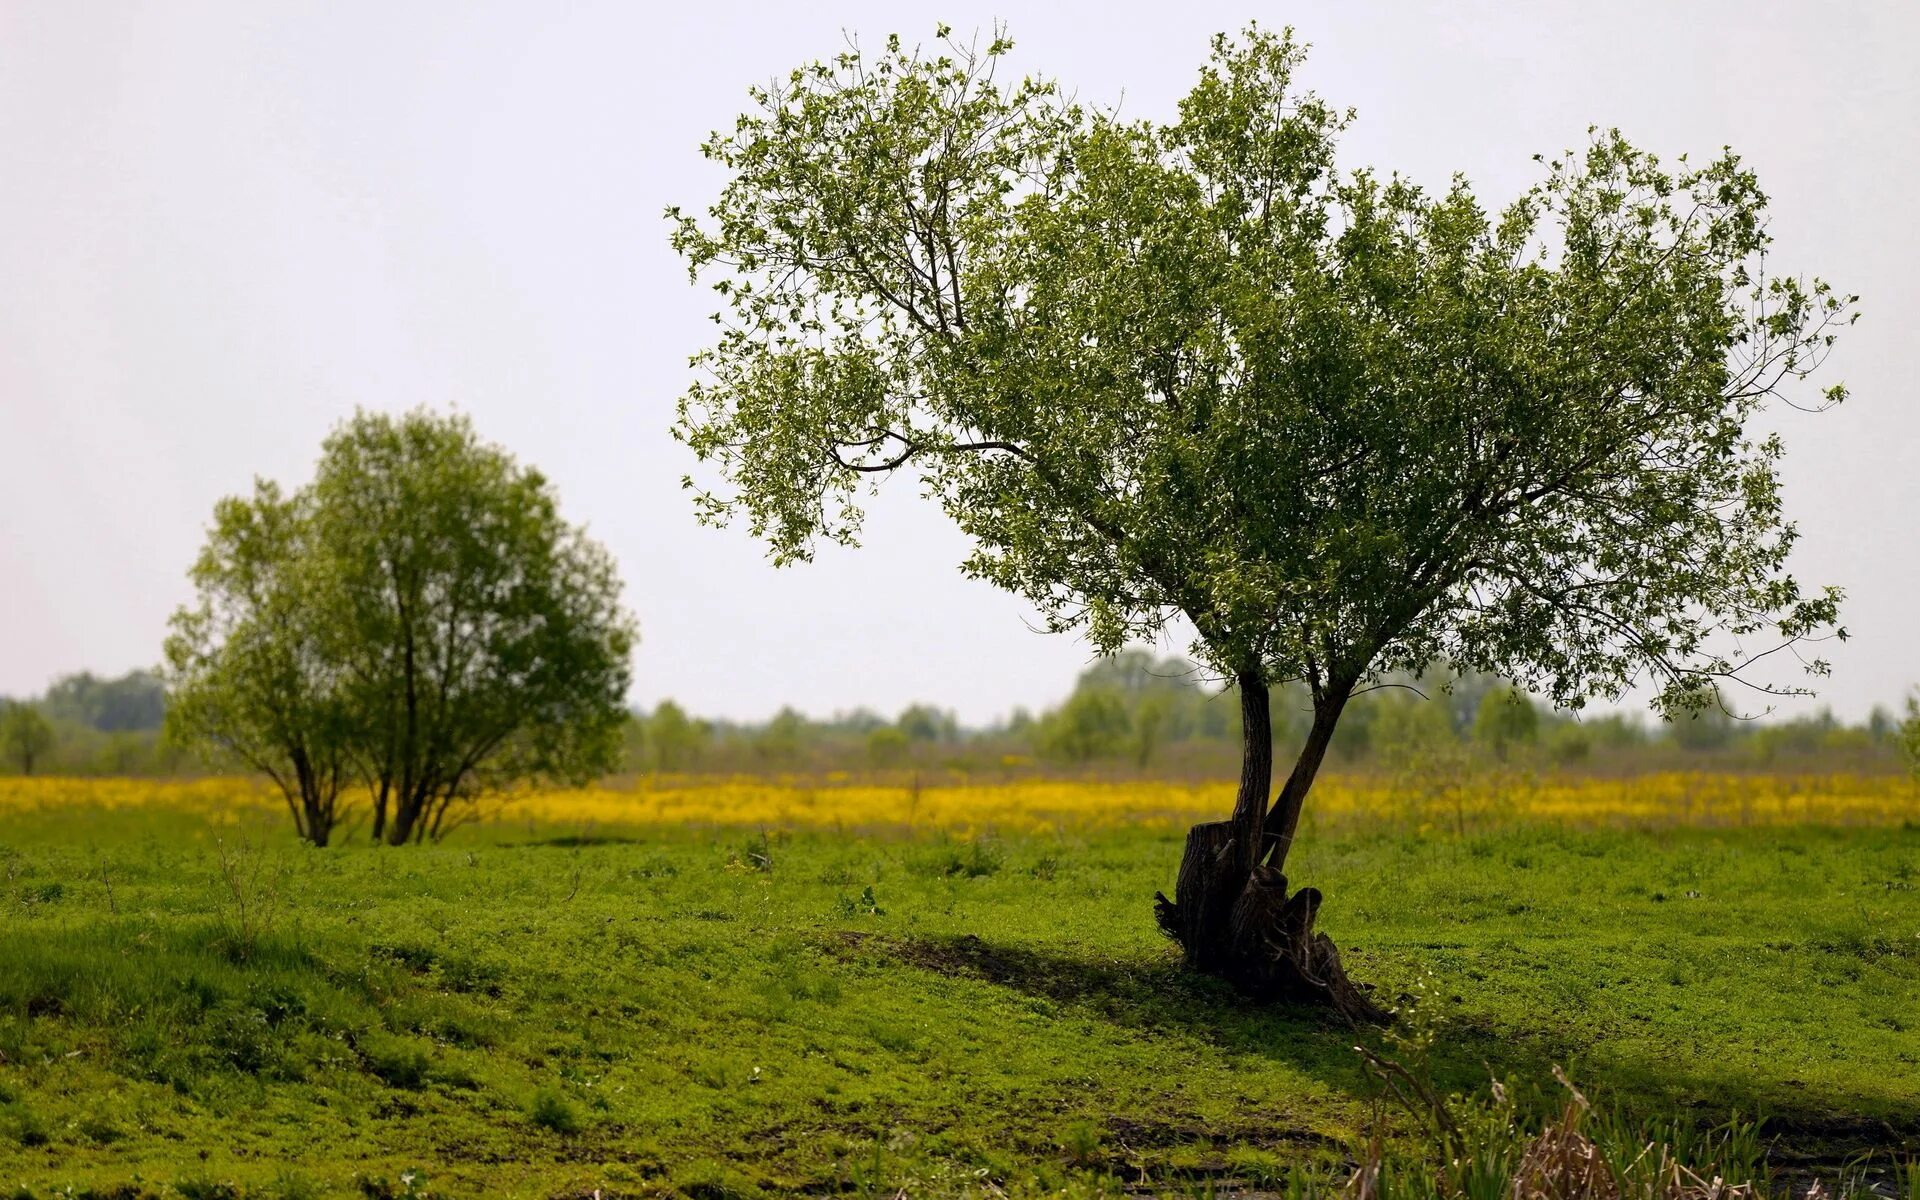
x,y
887,747
1091,724
1506,722
1569,743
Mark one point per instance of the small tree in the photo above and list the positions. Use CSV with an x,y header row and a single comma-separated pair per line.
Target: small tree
x,y
1339,425
1093,723
925,723
1149,727
419,617
25,735
677,739
887,746
780,742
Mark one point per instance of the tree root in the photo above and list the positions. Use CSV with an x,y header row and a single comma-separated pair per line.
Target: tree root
x,y
1242,925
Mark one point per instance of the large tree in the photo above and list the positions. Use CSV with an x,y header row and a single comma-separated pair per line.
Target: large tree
x,y
1341,425
430,622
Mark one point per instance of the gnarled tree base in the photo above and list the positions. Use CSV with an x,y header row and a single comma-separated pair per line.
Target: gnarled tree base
x,y
1238,922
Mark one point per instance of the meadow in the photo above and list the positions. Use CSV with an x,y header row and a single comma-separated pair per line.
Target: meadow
x,y
921,986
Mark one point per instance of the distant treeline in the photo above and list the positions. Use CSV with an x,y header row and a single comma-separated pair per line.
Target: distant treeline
x,y
1136,712
89,725
1133,712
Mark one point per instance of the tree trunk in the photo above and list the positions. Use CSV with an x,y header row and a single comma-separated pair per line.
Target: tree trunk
x,y
308,783
400,828
412,808
1284,818
380,809
1231,914
319,821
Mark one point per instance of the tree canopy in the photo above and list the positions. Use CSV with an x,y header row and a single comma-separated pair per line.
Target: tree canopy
x,y
1343,424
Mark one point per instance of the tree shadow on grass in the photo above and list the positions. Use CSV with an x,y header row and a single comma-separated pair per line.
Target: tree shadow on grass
x,y
1157,996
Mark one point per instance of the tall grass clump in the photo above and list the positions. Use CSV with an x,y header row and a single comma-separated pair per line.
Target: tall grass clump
x,y
1485,1149
1500,1146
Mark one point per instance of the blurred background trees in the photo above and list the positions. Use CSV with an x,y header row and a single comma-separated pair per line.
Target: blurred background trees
x,y
86,724
1140,713
1136,712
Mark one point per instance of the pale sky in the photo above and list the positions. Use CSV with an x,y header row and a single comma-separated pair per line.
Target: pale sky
x,y
225,225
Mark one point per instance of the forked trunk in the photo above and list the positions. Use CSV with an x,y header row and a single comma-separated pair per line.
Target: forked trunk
x,y
1231,912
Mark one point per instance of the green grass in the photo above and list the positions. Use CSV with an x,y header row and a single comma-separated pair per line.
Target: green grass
x,y
521,1013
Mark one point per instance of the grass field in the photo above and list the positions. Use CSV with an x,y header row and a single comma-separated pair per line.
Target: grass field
x,y
948,991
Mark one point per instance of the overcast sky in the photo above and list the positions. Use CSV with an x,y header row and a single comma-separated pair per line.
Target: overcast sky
x,y
224,226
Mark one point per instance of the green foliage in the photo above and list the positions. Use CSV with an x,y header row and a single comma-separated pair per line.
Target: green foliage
x,y
1407,727
550,1109
1699,720
418,618
1615,731
676,740
77,748
1082,1143
410,1184
973,858
137,701
1805,738
1505,722
1132,706
1344,426
1569,743
254,680
25,735
397,1062
1149,723
1093,723
925,723
887,746
1178,724
778,743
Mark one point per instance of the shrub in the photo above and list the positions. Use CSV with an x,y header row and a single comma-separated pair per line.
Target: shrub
x,y
396,1062
971,859
887,747
1082,1143
24,1125
551,1110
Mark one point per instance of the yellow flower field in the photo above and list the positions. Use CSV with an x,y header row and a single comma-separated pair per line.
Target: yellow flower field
x,y
1031,805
